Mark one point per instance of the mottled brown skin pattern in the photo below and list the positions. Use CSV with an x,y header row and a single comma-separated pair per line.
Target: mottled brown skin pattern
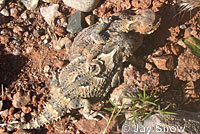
x,y
76,85
105,47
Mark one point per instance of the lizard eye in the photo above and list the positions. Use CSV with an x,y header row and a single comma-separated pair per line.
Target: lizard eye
x,y
77,77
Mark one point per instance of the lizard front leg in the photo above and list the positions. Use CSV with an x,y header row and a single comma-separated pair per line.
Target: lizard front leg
x,y
88,113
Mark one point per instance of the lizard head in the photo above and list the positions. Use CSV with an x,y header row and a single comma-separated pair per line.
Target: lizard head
x,y
145,23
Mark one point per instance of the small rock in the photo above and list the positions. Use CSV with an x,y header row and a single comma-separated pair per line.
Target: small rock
x,y
46,69
181,43
5,12
96,127
60,31
4,39
46,41
36,34
89,19
30,4
50,13
188,67
148,66
1,104
4,113
149,81
29,49
82,5
164,62
18,30
20,100
117,96
32,15
59,44
48,1
11,111
76,22
2,130
16,52
2,3
14,12
24,15
62,22
26,110
176,49
17,115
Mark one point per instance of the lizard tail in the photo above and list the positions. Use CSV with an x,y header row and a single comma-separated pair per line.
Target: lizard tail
x,y
54,110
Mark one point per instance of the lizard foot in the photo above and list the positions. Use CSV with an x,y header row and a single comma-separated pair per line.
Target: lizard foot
x,y
92,115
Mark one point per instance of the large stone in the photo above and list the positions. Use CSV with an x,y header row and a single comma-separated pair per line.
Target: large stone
x,y
76,22
183,123
50,13
82,5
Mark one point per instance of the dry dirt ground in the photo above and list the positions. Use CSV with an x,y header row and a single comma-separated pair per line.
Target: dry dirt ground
x,y
27,62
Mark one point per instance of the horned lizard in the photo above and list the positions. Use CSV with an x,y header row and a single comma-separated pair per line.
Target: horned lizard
x,y
79,84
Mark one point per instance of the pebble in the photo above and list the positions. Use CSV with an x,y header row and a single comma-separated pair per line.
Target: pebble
x,y
46,69
4,12
4,39
20,100
60,31
1,104
26,110
82,5
50,13
2,3
45,41
2,130
30,4
165,62
11,111
18,30
89,19
47,1
59,44
32,15
62,22
76,22
4,113
24,15
17,115
14,12
36,34
176,49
